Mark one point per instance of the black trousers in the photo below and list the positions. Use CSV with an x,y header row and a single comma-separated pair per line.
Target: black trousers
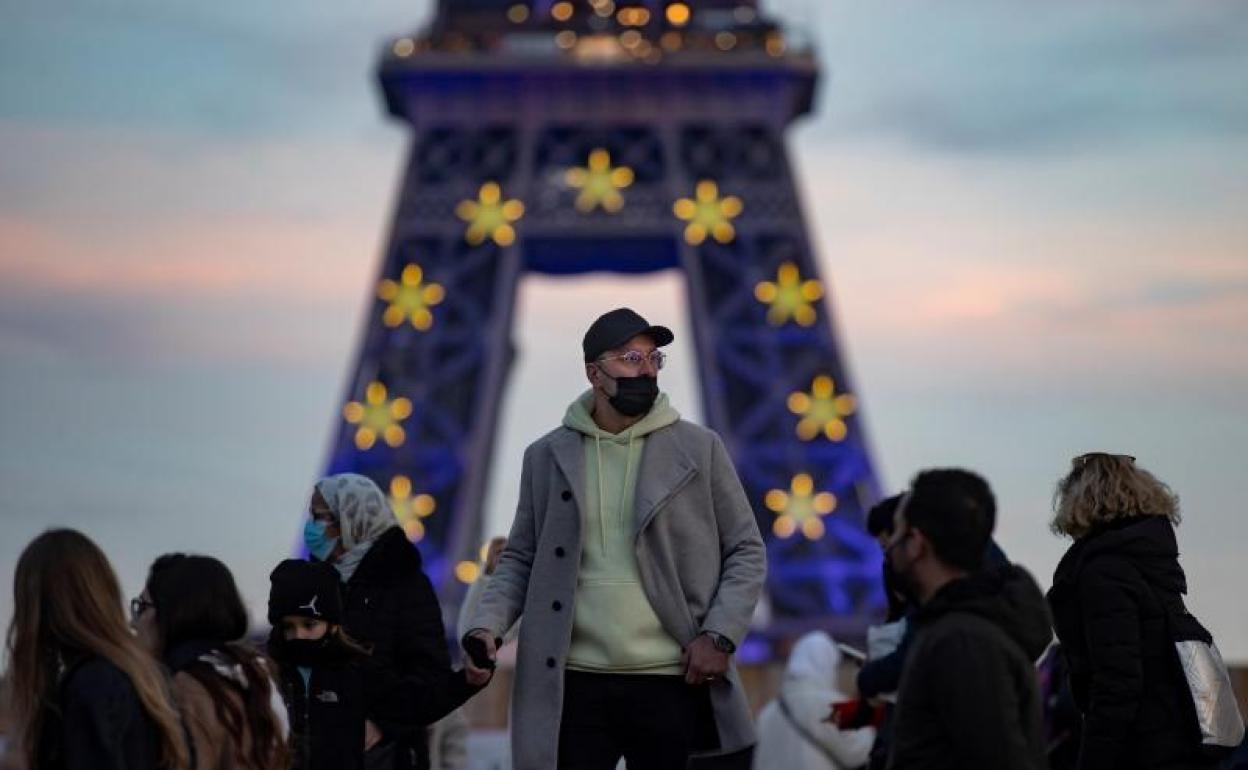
x,y
653,722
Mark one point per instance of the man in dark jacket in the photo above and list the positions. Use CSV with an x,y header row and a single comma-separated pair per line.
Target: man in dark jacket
x,y
969,695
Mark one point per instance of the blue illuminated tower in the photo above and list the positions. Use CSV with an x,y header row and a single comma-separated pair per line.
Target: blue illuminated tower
x,y
568,137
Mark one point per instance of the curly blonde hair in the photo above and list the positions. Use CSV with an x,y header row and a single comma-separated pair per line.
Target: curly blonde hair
x,y
1103,487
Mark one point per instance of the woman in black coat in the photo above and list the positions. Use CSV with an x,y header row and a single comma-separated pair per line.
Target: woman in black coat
x,y
84,693
389,603
1110,597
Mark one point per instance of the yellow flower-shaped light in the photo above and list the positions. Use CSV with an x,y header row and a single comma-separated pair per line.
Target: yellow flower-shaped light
x,y
467,571
822,410
410,298
708,214
599,183
378,416
799,508
410,510
789,297
489,216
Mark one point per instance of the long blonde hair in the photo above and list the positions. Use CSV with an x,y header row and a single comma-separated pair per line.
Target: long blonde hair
x,y
1102,487
67,600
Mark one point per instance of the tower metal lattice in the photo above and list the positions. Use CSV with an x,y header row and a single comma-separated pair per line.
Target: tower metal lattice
x,y
568,137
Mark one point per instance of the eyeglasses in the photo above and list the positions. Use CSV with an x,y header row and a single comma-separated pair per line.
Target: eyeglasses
x,y
635,358
1084,459
138,605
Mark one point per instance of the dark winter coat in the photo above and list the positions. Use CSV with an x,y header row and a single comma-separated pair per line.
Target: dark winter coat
x,y
390,605
327,713
1107,605
969,694
96,722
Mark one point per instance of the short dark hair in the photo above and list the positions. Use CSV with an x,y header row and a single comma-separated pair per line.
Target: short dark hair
x,y
196,600
956,511
880,517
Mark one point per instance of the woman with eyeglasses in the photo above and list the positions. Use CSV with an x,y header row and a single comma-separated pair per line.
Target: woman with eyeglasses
x,y
84,692
190,615
1109,599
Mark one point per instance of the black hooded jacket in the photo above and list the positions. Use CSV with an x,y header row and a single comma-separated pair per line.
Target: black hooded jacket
x,y
390,605
969,695
1107,606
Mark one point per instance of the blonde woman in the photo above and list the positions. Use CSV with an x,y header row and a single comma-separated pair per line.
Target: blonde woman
x,y
1110,597
84,692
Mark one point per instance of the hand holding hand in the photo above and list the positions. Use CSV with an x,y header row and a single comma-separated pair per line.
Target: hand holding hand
x,y
479,675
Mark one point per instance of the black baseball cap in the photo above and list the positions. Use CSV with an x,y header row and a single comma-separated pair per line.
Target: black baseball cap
x,y
306,589
617,327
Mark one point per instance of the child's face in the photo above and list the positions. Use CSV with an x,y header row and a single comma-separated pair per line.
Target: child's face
x,y
299,627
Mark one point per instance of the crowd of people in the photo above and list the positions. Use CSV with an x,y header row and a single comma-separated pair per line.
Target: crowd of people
x,y
635,562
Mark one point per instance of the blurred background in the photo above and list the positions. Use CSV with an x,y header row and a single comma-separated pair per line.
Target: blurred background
x,y
1029,220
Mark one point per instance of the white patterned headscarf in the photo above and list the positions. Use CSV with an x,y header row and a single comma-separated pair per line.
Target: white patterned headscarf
x,y
363,515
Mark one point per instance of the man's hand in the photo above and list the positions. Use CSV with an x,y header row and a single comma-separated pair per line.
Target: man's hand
x,y
703,662
478,676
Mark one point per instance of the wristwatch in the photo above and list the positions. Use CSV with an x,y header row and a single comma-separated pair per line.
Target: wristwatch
x,y
721,642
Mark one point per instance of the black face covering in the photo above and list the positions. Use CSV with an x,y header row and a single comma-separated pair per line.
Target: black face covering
x,y
903,580
306,652
633,395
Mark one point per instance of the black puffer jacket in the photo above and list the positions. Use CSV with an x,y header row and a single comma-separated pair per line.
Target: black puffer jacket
x,y
969,696
1107,605
391,606
97,721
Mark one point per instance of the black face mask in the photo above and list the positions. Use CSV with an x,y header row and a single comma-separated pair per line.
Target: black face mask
x,y
634,396
903,579
306,652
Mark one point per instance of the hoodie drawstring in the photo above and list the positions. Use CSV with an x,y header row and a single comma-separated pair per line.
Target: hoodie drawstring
x,y
628,468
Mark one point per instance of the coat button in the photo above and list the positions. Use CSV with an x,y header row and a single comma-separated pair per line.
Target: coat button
x,y
550,663
566,495
559,552
556,606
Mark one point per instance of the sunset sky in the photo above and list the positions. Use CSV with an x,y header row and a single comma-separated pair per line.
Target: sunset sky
x,y
1034,221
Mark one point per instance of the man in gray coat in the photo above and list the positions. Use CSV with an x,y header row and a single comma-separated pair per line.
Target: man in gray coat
x,y
636,562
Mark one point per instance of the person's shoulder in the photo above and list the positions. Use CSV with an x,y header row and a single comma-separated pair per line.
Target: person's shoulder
x,y
1109,567
192,696
955,633
692,436
552,436
97,676
391,558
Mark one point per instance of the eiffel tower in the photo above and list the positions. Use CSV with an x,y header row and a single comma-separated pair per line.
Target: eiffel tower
x,y
598,135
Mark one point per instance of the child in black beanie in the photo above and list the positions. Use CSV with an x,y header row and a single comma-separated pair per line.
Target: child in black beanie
x,y
335,693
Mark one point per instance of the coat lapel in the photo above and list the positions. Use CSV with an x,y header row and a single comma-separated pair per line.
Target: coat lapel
x,y
665,469
569,456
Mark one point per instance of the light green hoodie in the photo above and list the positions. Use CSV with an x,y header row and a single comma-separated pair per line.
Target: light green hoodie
x,y
614,628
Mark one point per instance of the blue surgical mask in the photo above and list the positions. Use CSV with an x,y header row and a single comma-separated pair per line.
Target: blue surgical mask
x,y
319,544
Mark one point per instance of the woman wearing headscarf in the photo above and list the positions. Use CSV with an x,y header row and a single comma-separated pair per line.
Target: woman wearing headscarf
x,y
1112,594
793,731
389,603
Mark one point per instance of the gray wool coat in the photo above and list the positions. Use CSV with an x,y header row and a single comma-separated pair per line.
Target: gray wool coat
x,y
699,553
